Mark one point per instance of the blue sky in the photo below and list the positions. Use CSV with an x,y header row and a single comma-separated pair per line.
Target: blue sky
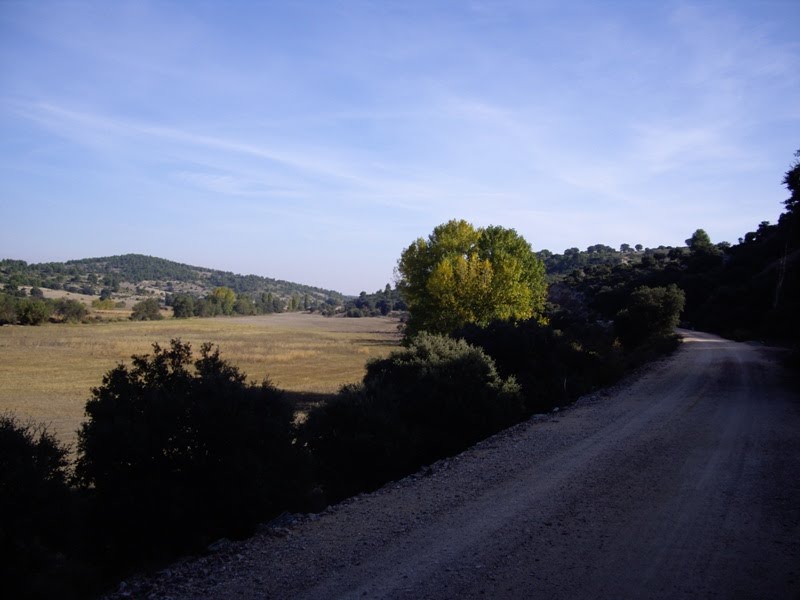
x,y
313,141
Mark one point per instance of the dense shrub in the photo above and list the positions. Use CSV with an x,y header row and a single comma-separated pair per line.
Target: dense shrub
x,y
552,366
652,313
70,310
431,400
147,310
447,386
32,311
183,306
35,508
178,456
104,304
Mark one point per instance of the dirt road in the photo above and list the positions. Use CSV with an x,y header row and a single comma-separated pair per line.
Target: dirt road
x,y
682,483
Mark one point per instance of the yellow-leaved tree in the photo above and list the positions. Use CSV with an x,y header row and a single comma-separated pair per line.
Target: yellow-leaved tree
x,y
461,275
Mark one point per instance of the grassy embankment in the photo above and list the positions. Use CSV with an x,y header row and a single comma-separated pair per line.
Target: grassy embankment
x,y
46,372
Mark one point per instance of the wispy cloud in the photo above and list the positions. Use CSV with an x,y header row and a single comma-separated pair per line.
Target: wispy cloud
x,y
662,147
85,127
408,187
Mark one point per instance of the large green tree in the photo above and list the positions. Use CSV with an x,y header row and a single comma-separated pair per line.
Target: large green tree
x,y
183,306
700,243
461,275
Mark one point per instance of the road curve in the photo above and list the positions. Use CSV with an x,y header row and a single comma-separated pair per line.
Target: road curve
x,y
683,482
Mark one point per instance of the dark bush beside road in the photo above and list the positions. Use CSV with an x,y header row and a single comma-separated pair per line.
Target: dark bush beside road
x,y
431,400
177,456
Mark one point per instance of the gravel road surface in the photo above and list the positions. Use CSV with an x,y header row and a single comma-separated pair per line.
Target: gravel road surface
x,y
683,482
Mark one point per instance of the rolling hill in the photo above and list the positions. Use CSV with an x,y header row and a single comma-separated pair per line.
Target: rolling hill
x,y
146,273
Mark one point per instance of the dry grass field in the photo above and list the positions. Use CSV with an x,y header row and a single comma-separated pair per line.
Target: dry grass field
x,y
46,372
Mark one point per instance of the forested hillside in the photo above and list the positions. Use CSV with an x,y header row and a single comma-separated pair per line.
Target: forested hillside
x,y
91,275
750,290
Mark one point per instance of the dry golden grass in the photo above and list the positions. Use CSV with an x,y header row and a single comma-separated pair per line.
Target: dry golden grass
x,y
46,372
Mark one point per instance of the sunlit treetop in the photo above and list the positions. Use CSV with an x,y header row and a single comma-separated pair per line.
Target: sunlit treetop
x,y
461,275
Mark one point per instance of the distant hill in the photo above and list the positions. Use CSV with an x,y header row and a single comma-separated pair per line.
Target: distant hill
x,y
138,271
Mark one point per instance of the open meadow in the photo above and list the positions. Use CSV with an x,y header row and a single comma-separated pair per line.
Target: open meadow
x,y
46,372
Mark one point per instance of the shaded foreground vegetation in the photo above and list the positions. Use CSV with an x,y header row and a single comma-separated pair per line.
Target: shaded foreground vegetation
x,y
179,450
431,400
